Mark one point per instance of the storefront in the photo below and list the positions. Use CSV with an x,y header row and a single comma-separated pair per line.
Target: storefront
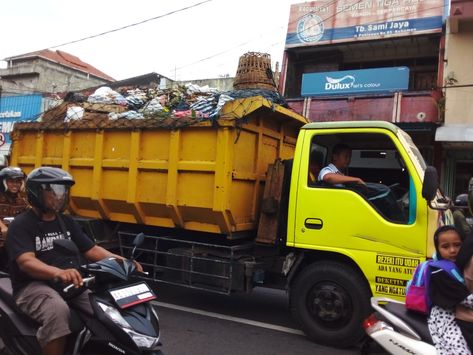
x,y
457,141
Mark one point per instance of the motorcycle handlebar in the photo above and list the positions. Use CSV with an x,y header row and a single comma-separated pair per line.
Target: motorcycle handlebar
x,y
85,280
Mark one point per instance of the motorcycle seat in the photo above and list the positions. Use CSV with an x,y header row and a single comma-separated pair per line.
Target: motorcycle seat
x,y
24,324
418,322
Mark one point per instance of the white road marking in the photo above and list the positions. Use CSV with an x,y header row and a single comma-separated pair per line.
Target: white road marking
x,y
229,318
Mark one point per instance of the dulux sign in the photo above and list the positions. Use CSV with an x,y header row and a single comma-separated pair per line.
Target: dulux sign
x,y
355,81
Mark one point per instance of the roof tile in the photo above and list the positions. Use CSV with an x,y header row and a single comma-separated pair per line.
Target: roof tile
x,y
65,59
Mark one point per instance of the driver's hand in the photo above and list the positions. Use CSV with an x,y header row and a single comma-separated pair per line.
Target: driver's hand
x,y
70,276
359,181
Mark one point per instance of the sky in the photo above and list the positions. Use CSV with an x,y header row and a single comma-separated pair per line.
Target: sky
x,y
201,42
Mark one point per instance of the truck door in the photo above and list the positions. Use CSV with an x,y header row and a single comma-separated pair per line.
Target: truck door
x,y
385,216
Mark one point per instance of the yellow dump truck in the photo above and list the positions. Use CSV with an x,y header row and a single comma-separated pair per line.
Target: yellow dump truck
x,y
229,204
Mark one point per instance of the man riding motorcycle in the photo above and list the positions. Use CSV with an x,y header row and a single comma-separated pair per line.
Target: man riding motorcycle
x,y
35,265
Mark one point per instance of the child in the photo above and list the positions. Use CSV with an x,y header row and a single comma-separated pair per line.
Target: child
x,y
464,261
446,294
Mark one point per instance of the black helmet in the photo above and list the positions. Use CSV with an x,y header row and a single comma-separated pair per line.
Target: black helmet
x,y
51,179
11,172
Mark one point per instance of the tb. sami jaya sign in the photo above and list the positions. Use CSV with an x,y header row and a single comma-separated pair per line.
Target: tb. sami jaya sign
x,y
332,21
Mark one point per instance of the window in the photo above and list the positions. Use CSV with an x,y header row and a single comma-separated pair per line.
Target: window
x,y
374,159
317,157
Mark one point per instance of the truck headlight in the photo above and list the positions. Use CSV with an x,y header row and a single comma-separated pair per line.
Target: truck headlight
x,y
141,340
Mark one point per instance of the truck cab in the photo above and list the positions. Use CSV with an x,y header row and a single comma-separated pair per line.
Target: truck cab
x,y
358,239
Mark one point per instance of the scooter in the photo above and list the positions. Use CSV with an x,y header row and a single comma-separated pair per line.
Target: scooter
x,y
398,330
124,321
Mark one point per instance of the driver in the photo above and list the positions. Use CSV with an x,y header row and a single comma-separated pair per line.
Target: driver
x,y
332,173
378,194
35,264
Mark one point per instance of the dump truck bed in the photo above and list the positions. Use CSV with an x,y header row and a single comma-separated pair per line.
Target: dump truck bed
x,y
204,176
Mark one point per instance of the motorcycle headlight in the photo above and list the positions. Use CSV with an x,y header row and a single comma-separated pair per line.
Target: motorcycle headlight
x,y
141,340
114,315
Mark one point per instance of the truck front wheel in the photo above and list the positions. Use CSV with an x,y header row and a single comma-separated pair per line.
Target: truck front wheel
x,y
331,300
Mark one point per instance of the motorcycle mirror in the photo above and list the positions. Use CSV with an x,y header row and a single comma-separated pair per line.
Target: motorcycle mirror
x,y
430,184
66,247
139,239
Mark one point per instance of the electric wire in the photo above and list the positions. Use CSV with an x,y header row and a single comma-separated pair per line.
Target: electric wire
x,y
389,18
131,25
239,45
246,42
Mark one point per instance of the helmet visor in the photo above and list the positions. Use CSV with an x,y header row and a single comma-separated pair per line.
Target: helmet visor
x,y
55,196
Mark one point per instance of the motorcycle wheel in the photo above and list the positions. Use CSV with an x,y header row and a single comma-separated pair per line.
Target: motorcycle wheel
x,y
330,300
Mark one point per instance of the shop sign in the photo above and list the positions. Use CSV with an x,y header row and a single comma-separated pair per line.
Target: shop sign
x,y
328,21
15,109
355,81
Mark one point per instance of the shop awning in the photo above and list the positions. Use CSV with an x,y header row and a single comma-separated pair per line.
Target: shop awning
x,y
454,134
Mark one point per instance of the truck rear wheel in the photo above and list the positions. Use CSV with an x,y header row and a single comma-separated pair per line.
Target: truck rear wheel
x,y
331,300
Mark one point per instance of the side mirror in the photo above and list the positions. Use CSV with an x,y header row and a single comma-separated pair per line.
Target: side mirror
x,y
66,247
139,239
431,183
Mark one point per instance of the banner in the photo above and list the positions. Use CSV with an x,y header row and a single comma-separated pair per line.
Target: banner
x,y
14,109
355,81
333,21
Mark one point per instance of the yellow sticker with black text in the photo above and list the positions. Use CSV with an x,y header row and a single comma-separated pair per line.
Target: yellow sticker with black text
x,y
393,273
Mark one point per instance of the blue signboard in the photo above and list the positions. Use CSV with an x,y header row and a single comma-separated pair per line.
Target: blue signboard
x,y
14,109
355,81
334,21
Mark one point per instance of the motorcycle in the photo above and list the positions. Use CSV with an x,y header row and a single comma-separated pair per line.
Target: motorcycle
x,y
124,321
398,330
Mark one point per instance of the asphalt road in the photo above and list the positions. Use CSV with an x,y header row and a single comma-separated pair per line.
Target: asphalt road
x,y
196,322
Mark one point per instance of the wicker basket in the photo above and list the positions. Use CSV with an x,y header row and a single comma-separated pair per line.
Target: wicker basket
x,y
254,72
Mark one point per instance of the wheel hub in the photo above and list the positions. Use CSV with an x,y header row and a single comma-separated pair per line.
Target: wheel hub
x,y
329,303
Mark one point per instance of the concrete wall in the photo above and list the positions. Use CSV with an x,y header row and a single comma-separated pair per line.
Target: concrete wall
x,y
39,75
221,84
459,67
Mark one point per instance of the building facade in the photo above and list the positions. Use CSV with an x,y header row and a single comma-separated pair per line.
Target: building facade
x,y
456,135
33,82
369,60
48,72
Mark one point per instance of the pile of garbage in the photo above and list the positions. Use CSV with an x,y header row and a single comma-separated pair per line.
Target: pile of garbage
x,y
187,101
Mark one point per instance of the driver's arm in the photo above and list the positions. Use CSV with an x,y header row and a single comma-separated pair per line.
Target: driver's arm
x,y
35,268
333,179
97,253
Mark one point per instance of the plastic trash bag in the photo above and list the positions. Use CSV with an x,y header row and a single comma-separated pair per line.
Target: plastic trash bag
x,y
74,113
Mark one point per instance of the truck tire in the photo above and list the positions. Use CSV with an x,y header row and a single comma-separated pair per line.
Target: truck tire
x,y
330,300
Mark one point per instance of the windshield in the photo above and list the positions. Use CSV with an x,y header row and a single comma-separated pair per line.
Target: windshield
x,y
413,152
